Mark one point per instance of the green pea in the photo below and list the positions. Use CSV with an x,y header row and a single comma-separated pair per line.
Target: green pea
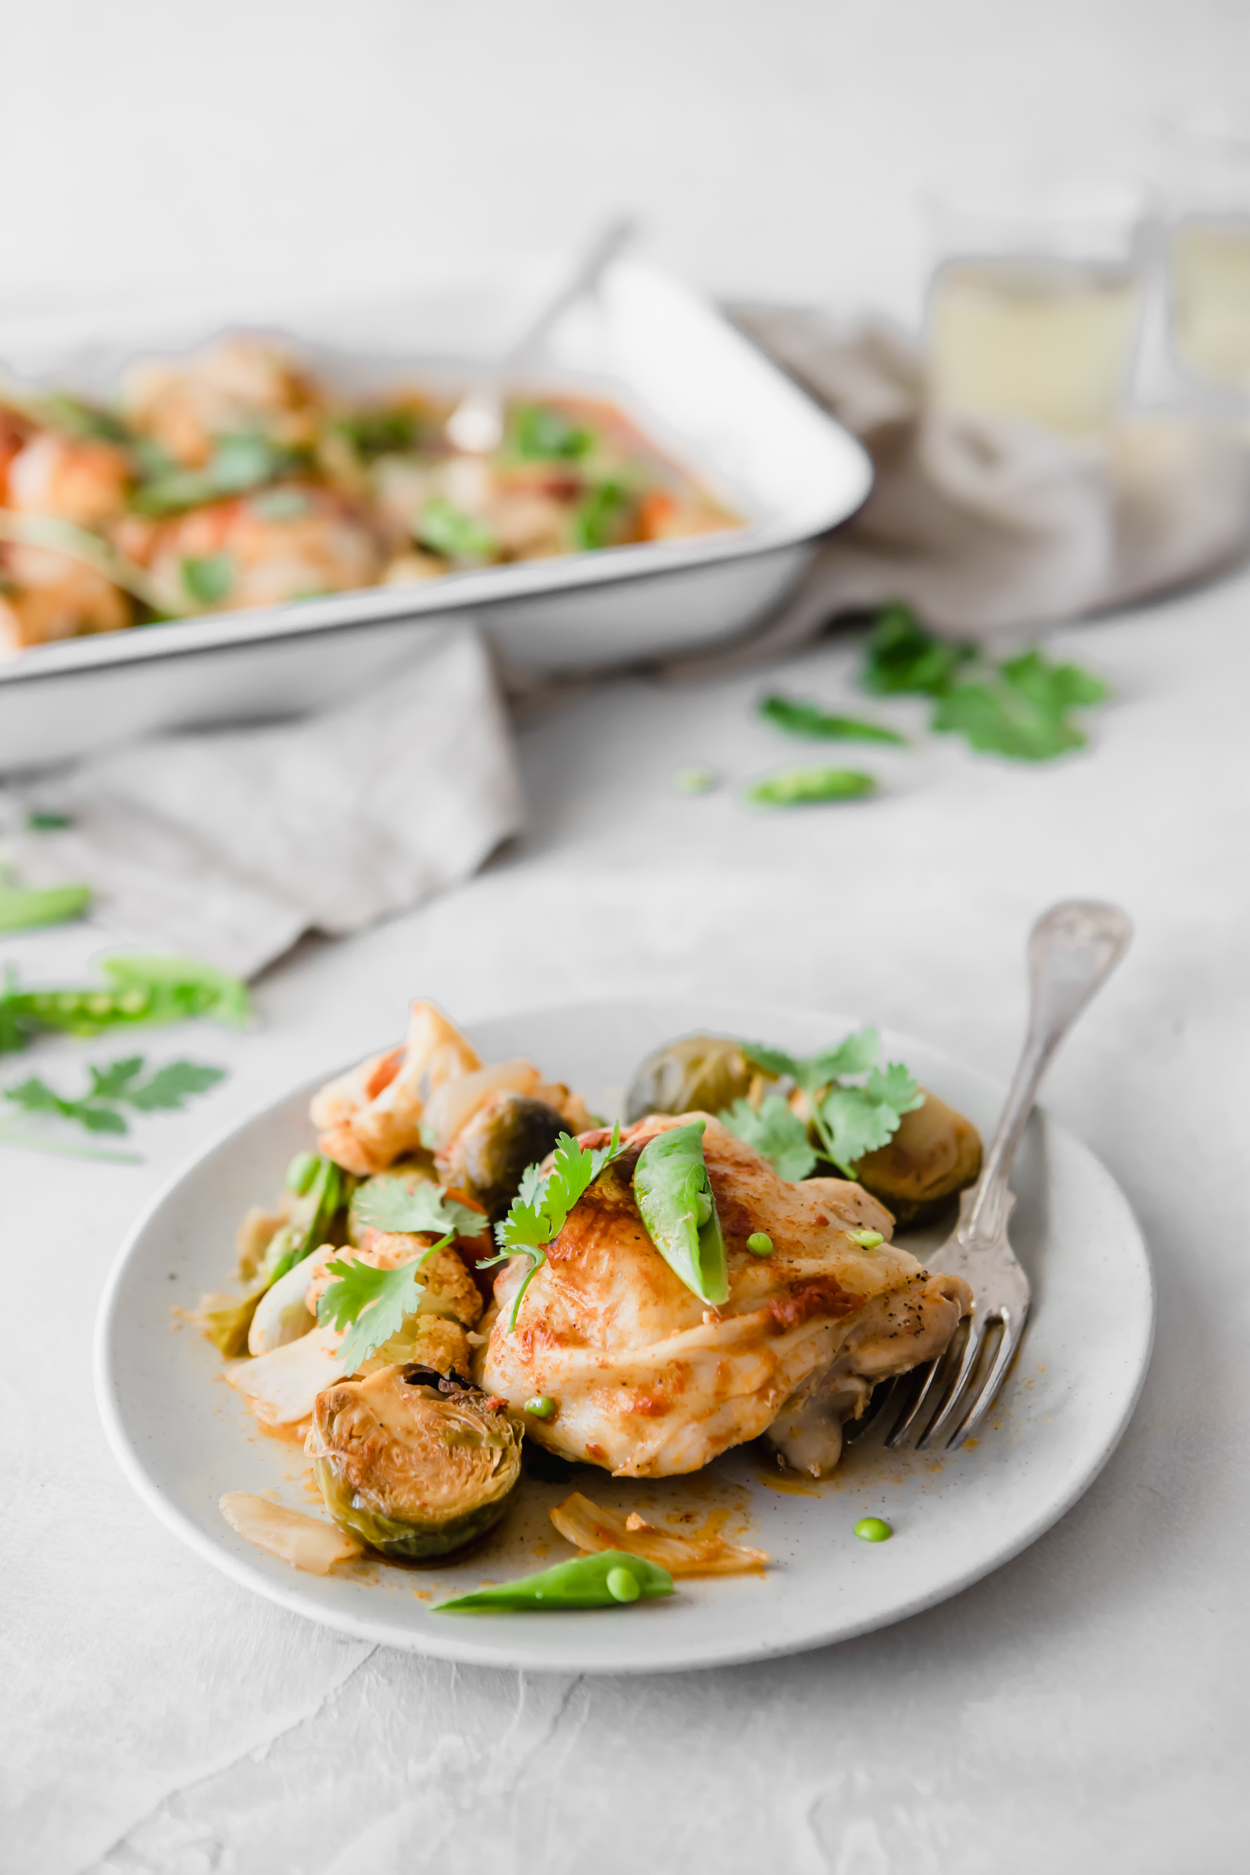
x,y
100,1005
133,1003
623,1585
67,1001
542,1406
873,1530
866,1239
760,1244
301,1172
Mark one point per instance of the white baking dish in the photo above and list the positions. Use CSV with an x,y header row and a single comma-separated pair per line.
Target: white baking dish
x,y
684,374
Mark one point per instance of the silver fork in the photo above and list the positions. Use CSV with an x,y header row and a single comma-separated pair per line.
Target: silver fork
x,y
1073,949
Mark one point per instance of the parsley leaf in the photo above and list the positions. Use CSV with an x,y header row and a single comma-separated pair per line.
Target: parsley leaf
x,y
387,1204
542,1205
372,1302
776,1131
902,659
805,787
808,719
116,1086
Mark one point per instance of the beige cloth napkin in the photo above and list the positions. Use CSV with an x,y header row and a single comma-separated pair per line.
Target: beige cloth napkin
x,y
988,527
229,844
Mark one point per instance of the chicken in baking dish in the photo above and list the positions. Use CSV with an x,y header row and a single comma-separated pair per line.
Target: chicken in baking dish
x,y
471,1260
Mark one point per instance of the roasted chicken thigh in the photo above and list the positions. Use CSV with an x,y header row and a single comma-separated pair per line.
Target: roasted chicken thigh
x,y
648,1381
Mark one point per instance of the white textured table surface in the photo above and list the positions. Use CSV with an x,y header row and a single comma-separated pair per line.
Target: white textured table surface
x,y
1084,1709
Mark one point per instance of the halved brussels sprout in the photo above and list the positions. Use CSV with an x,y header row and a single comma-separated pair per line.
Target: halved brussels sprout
x,y
416,1462
697,1074
935,1153
486,1159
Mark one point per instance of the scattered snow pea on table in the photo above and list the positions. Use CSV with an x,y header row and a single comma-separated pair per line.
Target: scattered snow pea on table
x,y
139,989
610,1579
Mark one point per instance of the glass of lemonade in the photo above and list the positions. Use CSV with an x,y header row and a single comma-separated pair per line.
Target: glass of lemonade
x,y
1208,250
1036,301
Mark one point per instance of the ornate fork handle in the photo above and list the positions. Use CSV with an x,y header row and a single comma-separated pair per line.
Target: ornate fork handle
x,y
1073,949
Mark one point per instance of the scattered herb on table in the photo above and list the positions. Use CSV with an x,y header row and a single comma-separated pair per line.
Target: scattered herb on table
x,y
541,1207
851,1117
696,780
39,820
806,787
676,1203
121,1084
23,908
139,989
1020,707
609,1579
800,718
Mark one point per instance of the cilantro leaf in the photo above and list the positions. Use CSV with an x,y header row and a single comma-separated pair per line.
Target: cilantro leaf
x,y
116,1086
857,1124
542,434
371,1302
853,1055
776,1131
895,1087
542,1205
448,530
808,719
110,1083
902,659
596,517
171,1086
208,577
386,1204
807,787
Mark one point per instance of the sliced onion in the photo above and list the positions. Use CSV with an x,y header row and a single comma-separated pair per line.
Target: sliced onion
x,y
304,1542
700,1554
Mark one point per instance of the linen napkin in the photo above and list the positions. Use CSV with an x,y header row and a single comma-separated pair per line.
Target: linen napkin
x,y
988,527
229,844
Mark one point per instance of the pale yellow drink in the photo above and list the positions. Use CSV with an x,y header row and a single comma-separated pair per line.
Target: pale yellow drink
x,y
1210,269
1048,340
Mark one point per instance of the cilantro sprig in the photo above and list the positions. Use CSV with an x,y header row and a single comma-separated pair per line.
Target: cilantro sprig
x,y
121,1084
1020,708
387,1204
541,1207
852,1116
372,1303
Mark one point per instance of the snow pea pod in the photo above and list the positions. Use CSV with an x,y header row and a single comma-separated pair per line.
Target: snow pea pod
x,y
675,1201
612,1578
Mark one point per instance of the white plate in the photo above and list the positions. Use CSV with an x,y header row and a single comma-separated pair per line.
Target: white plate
x,y
183,1440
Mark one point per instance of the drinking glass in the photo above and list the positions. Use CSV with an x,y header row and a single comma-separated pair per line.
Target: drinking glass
x,y
1035,302
1208,249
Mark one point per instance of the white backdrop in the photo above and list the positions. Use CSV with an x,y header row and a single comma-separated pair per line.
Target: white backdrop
x,y
776,147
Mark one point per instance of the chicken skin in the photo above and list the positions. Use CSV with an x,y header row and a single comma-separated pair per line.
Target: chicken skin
x,y
650,1382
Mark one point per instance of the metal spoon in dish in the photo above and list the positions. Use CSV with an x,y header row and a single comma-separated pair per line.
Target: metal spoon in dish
x,y
476,425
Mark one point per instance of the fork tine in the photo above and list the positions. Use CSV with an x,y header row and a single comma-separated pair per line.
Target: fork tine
x,y
883,1397
971,1355
928,1388
1013,1328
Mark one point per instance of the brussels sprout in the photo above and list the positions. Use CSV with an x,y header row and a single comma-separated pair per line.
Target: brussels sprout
x,y
935,1153
486,1159
698,1074
416,1462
